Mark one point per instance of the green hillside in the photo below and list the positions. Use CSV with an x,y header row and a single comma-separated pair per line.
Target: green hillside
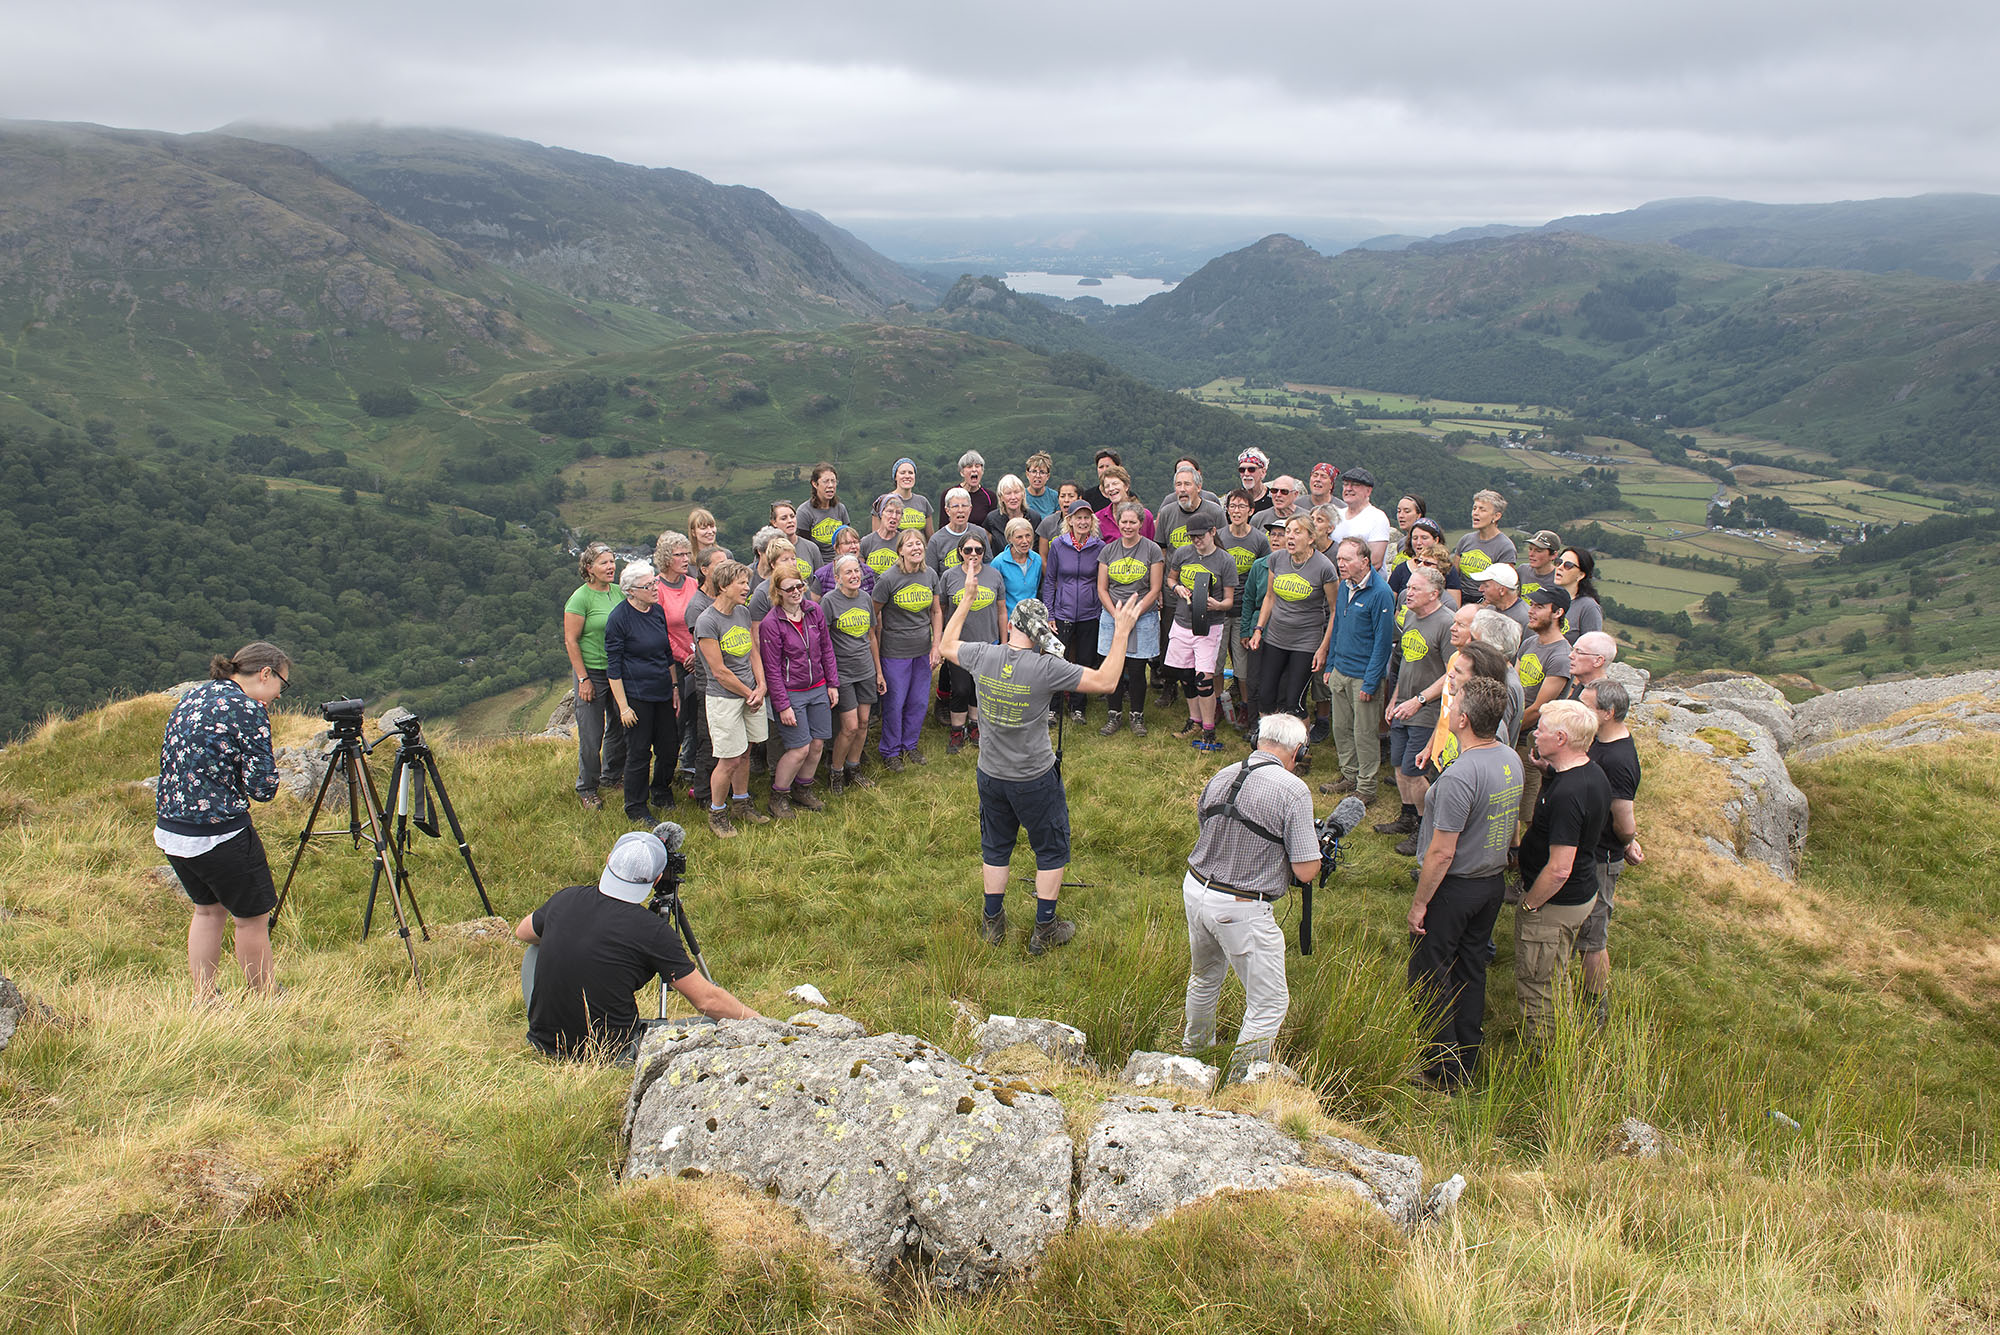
x,y
1895,372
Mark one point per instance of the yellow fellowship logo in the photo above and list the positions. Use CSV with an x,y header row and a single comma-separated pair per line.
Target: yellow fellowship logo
x,y
736,641
1128,570
913,597
854,621
1415,646
1292,588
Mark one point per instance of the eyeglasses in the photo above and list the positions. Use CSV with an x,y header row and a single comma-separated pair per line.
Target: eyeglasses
x,y
1578,652
283,680
1248,468
790,588
1284,491
974,550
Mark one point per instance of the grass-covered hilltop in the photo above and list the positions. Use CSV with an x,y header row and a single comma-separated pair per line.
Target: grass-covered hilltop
x,y
360,1155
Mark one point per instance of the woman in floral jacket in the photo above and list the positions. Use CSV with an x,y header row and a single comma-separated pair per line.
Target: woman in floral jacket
x,y
215,761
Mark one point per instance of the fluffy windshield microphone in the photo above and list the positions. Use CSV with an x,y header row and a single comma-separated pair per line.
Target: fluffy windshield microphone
x,y
673,836
1340,822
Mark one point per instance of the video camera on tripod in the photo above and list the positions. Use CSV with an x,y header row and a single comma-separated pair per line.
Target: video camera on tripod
x,y
1335,826
412,780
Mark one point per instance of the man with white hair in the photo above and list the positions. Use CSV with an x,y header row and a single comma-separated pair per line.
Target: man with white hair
x,y
942,552
1500,588
1251,466
1590,660
1558,859
1285,497
1613,753
597,946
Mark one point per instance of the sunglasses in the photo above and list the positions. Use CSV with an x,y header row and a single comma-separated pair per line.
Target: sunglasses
x,y
1569,565
1248,468
790,588
972,551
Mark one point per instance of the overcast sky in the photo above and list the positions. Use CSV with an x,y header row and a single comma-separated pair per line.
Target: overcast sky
x,y
1423,118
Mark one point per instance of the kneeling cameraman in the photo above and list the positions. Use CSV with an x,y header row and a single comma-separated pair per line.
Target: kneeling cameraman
x,y
1257,835
599,945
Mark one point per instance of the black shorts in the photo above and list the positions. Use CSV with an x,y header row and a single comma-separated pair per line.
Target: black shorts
x,y
235,874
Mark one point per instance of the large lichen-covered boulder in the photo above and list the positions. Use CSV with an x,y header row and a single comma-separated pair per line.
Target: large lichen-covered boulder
x,y
1148,1157
1767,813
889,1147
1898,713
1756,700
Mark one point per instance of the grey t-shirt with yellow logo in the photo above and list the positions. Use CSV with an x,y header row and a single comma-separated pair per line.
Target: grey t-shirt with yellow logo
x,y
738,643
1298,608
904,603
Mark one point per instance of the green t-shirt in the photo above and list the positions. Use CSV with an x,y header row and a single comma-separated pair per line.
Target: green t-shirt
x,y
594,606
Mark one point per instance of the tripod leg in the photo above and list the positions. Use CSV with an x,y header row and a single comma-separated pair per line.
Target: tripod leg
x,y
457,830
305,835
391,864
694,948
375,879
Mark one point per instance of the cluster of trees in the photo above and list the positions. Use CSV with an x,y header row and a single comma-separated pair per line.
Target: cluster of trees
x,y
572,406
399,402
443,610
1912,539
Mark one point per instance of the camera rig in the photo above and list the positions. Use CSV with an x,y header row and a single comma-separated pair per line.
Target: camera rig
x,y
1337,825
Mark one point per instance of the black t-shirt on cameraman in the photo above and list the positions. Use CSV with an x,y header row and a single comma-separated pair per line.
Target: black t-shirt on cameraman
x,y
596,952
1574,809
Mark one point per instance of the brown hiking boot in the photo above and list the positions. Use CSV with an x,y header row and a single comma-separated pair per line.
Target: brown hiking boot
x,y
836,782
807,798
894,764
719,826
856,779
781,806
1335,786
916,757
1111,722
1408,848
744,812
1052,933
591,801
1406,823
993,928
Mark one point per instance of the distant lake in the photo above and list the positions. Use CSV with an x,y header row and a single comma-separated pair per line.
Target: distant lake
x,y
1117,290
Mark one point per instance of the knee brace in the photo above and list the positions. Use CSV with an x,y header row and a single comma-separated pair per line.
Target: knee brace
x,y
1204,684
1185,676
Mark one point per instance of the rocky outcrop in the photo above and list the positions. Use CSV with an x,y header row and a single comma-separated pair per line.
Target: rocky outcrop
x,y
1898,713
12,1003
1143,1070
1635,1139
898,1153
1756,700
1767,813
562,719
888,1147
996,1040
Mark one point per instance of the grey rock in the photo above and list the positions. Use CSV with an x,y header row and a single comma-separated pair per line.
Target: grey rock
x,y
1638,1140
1268,1070
1635,680
1721,850
1052,1038
1146,1069
1149,1157
1767,811
12,1003
1948,722
300,770
151,783
179,690
1443,1199
1863,708
829,1025
1397,1180
562,719
888,1147
1756,700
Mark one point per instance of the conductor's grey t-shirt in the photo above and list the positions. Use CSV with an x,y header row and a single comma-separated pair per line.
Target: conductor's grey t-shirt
x,y
1014,687
1478,798
1298,611
738,643
903,601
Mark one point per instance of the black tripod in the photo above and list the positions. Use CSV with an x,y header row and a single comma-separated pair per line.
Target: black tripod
x,y
412,779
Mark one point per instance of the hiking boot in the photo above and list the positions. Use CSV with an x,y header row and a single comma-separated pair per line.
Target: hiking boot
x,y
743,812
1111,721
591,801
1054,932
1403,824
1138,724
781,806
956,743
993,928
804,796
1168,694
1319,732
1076,716
972,734
719,826
916,757
1334,786
1189,729
836,782
1408,848
856,779
894,764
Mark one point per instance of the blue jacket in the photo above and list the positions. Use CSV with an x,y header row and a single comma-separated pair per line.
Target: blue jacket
x,y
1364,628
1023,580
215,760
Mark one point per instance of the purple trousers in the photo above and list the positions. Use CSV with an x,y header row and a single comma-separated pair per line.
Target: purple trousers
x,y
904,702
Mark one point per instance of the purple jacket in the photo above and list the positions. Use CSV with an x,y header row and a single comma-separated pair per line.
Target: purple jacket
x,y
796,657
1069,579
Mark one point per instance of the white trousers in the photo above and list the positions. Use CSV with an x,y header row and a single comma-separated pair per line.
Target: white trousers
x,y
1226,933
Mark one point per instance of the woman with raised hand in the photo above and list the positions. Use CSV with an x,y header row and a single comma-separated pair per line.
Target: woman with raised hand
x,y
878,547
1069,590
845,542
905,647
1576,571
735,698
800,673
600,749
1296,621
850,620
640,666
916,510
214,762
822,514
970,579
1131,568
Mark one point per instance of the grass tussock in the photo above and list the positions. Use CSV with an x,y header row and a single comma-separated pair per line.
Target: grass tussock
x,y
358,1154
